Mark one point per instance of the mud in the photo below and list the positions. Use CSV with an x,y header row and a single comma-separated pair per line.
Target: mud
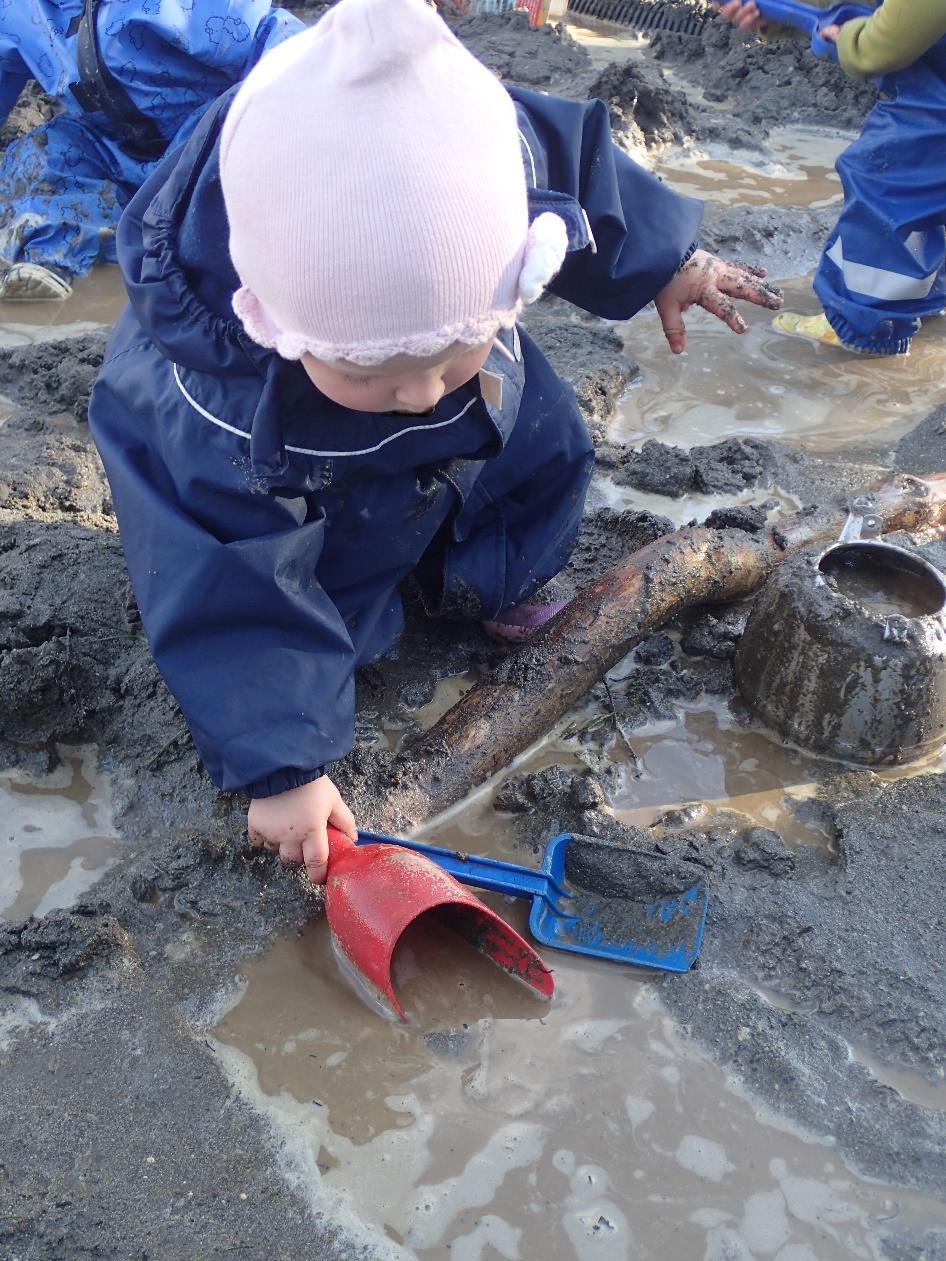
x,y
32,109
776,80
55,376
545,58
589,355
723,468
645,110
185,1075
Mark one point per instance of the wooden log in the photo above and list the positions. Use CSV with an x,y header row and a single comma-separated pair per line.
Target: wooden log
x,y
533,687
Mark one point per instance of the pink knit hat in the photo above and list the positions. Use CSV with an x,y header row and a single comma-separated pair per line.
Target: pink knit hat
x,y
375,191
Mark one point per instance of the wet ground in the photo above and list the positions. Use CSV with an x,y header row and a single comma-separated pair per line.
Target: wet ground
x,y
187,1073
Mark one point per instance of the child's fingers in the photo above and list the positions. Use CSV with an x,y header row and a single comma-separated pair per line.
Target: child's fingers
x,y
723,307
343,819
740,282
674,331
315,854
745,16
670,309
291,853
752,268
262,842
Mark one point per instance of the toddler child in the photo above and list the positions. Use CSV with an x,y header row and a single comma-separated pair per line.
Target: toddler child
x,y
320,387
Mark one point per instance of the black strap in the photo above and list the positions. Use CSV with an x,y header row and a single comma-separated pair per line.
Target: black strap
x,y
99,92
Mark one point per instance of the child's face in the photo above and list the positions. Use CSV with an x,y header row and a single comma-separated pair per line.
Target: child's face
x,y
403,384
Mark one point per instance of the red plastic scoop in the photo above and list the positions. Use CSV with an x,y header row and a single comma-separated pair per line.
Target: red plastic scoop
x,y
374,892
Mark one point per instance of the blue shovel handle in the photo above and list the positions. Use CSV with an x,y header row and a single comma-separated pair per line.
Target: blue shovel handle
x,y
482,873
804,17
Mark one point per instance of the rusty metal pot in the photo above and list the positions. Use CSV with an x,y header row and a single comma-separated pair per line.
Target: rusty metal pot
x,y
845,649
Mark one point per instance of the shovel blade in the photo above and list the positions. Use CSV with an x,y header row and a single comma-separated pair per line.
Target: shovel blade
x,y
625,905
374,893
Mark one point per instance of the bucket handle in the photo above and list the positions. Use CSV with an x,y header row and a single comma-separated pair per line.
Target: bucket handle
x,y
863,522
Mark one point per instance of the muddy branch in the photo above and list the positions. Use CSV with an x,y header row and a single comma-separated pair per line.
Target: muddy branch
x,y
534,687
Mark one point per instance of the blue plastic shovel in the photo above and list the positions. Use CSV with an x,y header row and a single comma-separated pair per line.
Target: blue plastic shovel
x,y
804,17
592,897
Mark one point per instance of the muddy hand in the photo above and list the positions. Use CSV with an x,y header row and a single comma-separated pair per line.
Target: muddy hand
x,y
713,284
746,16
293,824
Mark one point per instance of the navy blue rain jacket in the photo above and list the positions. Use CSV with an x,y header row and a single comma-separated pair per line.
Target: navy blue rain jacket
x,y
267,529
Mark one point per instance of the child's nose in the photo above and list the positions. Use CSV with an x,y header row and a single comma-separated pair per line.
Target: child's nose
x,y
420,393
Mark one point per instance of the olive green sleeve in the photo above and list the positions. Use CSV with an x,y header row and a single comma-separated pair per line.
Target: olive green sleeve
x,y
893,37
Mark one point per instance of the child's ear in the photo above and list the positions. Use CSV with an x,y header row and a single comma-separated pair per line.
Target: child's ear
x,y
546,246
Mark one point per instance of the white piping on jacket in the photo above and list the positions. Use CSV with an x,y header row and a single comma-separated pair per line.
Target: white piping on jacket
x,y
535,183
242,433
531,157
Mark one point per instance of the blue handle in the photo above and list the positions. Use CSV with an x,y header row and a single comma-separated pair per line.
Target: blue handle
x,y
482,873
804,17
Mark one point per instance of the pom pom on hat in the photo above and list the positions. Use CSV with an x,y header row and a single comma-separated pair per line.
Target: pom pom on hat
x,y
373,179
546,247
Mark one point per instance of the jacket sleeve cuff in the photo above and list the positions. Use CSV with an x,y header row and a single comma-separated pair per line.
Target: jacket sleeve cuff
x,y
282,781
688,255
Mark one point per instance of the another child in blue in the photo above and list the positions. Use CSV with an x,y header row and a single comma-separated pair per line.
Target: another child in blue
x,y
320,388
133,77
882,268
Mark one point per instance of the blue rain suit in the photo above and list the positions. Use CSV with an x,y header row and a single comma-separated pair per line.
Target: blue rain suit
x,y
882,267
63,186
267,528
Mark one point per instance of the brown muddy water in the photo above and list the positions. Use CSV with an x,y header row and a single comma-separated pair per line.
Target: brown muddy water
x,y
96,300
494,1124
797,169
57,833
881,585
765,385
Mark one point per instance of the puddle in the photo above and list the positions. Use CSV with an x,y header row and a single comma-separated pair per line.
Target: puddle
x,y
797,169
764,385
706,756
494,1125
604,45
911,1087
97,299
57,834
688,508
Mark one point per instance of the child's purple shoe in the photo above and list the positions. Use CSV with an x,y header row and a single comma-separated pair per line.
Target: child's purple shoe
x,y
520,621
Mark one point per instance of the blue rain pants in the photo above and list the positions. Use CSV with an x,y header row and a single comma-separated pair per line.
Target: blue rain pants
x,y
881,270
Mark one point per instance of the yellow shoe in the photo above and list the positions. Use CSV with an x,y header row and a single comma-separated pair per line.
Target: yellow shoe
x,y
813,328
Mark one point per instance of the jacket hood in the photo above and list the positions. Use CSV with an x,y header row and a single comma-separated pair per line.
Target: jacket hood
x,y
174,259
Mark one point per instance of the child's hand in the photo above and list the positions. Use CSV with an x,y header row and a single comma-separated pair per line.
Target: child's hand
x,y
830,33
707,281
744,15
292,824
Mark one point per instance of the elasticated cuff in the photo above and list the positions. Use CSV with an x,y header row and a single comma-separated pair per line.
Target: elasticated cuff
x,y
688,255
282,781
856,341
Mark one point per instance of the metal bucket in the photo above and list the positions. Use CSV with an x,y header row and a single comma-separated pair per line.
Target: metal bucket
x,y
845,650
